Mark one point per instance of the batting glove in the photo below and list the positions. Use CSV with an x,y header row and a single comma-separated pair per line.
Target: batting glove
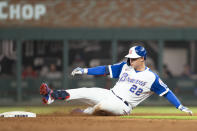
x,y
79,71
185,109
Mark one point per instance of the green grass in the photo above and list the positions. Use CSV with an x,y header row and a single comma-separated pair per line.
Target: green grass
x,y
162,117
162,110
159,112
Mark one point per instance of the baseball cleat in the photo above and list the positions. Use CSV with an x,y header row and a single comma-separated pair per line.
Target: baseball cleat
x,y
44,89
46,92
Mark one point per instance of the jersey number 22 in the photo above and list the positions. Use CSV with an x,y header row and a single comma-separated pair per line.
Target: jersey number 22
x,y
136,90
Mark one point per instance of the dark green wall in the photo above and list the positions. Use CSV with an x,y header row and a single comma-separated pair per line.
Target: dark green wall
x,y
113,34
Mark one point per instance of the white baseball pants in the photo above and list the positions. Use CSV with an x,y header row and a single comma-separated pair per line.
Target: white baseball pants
x,y
100,99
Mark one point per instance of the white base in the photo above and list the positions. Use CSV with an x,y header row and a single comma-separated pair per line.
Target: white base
x,y
17,114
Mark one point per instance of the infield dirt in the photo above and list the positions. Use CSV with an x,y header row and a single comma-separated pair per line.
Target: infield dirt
x,y
60,122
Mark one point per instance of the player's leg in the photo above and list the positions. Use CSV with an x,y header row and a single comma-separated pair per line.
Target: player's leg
x,y
112,106
49,95
102,99
91,96
87,95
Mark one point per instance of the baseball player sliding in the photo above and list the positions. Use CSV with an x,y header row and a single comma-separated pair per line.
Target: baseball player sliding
x,y
136,82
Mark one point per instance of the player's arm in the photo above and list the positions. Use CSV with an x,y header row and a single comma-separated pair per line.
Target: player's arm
x,y
99,70
170,96
112,70
162,90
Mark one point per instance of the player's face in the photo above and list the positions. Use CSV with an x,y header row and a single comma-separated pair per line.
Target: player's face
x,y
136,62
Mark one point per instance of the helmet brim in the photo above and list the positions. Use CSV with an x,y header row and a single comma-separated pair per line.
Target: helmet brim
x,y
132,56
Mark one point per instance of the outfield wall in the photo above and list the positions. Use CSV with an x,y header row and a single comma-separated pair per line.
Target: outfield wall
x,y
98,13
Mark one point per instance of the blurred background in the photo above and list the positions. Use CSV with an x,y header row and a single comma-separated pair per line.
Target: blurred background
x,y
44,40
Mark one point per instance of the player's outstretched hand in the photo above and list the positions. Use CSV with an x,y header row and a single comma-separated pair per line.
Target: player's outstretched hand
x,y
79,71
185,109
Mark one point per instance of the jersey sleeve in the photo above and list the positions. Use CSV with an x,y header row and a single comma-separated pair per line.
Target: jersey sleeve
x,y
170,96
159,87
99,70
115,70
